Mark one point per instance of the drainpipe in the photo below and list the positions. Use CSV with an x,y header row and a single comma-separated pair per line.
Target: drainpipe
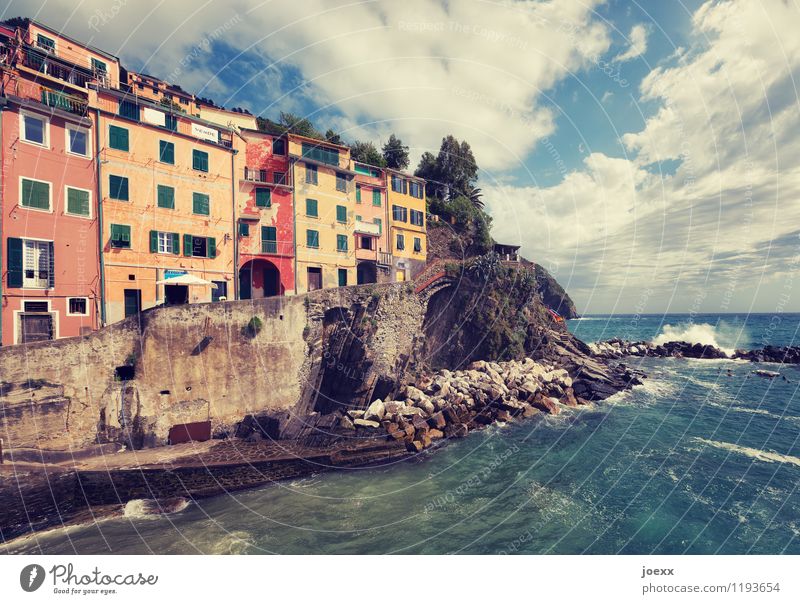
x,y
100,218
235,226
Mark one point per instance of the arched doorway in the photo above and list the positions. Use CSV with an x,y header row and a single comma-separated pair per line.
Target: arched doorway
x,y
366,272
259,279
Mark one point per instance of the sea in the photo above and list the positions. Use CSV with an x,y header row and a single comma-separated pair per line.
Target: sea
x,y
703,458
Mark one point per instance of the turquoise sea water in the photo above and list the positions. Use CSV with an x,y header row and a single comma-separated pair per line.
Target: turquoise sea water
x,y
695,461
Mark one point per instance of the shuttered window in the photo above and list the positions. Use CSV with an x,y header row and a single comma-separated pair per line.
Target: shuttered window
x,y
166,152
269,243
129,109
358,193
78,202
341,243
35,194
376,197
38,264
311,208
166,197
118,187
200,160
263,197
120,236
312,238
341,213
311,174
164,243
118,138
417,244
200,204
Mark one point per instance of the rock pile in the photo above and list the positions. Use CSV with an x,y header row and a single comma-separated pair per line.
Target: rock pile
x,y
449,404
616,349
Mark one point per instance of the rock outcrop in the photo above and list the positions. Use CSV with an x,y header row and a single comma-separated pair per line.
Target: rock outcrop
x,y
617,349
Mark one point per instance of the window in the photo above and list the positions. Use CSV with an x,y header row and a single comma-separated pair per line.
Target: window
x,y
341,213
379,222
376,197
171,123
415,189
199,247
77,141
269,240
164,243
45,43
312,238
417,218
358,193
263,197
322,154
120,236
78,202
166,152
417,244
342,277
311,208
118,187
35,129
199,160
129,109
366,243
401,242
341,182
35,194
279,146
311,174
220,292
118,138
200,204
78,306
37,264
341,243
399,213
165,197
279,178
398,184
184,101
244,229
99,66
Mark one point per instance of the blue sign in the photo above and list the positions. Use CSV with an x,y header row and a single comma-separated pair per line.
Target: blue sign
x,y
169,274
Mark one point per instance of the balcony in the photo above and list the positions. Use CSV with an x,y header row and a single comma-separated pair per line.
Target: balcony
x,y
260,176
65,102
385,259
368,228
269,247
53,67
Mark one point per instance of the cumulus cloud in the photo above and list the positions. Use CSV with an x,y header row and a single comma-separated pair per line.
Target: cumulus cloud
x,y
638,44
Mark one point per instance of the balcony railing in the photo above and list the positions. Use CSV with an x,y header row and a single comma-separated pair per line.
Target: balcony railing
x,y
385,259
65,102
269,247
262,177
47,64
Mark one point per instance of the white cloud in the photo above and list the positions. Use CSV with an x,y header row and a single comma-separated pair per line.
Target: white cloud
x,y
638,44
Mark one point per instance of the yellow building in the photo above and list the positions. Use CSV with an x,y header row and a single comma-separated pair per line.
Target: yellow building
x,y
407,228
324,192
166,191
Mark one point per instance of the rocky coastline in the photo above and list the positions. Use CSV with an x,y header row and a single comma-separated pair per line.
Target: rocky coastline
x,y
617,349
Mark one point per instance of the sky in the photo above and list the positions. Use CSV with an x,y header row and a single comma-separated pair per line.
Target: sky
x,y
646,153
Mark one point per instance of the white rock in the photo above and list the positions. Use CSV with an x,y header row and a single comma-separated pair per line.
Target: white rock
x,y
376,411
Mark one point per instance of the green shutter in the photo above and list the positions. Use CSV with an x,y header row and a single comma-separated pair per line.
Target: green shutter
x,y
244,229
200,160
15,262
269,236
120,236
211,247
341,243
312,238
358,193
166,152
263,197
77,202
35,194
200,204
153,241
166,197
118,187
118,138
311,207
342,277
341,213
176,243
376,197
379,222
187,245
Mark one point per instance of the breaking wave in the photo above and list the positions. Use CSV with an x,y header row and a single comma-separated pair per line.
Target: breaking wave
x,y
153,508
768,456
726,339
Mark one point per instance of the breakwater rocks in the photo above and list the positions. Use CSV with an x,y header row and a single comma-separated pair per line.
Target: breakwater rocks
x,y
616,348
450,404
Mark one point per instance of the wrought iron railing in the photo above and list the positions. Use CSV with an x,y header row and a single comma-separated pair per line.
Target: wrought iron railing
x,y
65,102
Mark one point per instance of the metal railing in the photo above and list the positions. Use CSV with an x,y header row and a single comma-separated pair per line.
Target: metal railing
x,y
65,102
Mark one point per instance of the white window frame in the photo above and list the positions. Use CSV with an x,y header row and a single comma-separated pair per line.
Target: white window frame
x,y
52,39
86,132
50,200
25,283
77,314
66,200
167,237
18,318
22,115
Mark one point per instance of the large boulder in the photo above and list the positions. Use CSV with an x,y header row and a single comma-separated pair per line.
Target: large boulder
x,y
376,411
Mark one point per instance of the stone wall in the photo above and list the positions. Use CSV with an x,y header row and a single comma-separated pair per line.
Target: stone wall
x,y
289,356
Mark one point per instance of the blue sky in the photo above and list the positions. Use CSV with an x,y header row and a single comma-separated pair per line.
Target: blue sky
x,y
645,152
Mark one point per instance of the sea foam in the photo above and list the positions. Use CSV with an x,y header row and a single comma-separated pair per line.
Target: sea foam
x,y
721,336
768,456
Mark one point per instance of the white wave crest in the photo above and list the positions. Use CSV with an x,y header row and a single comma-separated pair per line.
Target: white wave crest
x,y
768,456
153,508
699,333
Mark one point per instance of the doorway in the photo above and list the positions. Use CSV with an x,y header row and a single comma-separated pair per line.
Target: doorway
x,y
314,278
133,302
176,294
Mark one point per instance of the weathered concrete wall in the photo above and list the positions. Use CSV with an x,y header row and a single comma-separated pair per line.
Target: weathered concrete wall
x,y
201,362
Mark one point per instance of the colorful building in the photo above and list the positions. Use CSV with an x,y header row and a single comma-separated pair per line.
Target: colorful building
x,y
50,271
407,228
324,192
373,256
167,200
264,216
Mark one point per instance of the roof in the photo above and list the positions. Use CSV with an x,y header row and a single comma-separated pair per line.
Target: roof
x,y
316,140
73,40
513,247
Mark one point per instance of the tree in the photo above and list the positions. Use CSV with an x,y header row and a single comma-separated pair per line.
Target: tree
x,y
475,196
301,126
427,169
367,153
395,153
451,173
333,137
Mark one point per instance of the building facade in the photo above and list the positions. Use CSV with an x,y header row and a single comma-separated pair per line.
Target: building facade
x,y
407,225
371,232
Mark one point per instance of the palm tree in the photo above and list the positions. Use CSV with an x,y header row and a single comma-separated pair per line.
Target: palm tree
x,y
474,195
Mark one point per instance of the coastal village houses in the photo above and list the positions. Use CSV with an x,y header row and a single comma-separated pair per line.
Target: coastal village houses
x,y
121,192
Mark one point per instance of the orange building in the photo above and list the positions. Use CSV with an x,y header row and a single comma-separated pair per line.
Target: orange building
x,y
373,256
